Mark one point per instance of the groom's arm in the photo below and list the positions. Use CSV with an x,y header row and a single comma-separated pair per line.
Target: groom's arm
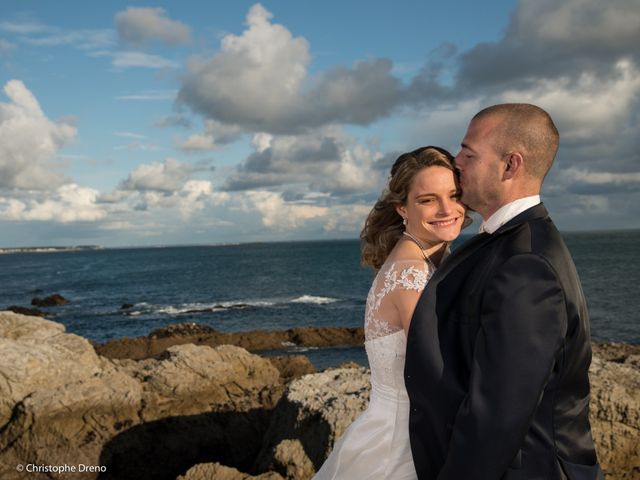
x,y
523,323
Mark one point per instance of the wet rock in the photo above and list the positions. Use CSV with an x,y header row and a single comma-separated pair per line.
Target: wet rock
x,y
34,312
254,341
292,366
50,301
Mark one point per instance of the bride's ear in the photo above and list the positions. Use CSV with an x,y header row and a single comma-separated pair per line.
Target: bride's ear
x,y
402,211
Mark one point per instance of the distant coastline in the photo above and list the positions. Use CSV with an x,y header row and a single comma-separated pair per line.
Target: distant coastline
x,y
50,249
465,235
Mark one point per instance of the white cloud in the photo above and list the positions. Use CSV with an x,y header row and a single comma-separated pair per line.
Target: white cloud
x,y
347,218
588,103
152,95
70,203
29,141
144,60
137,25
137,136
192,196
81,39
215,135
167,176
325,160
278,214
23,28
595,178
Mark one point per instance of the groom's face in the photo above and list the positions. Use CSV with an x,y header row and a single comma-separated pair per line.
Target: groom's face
x,y
480,169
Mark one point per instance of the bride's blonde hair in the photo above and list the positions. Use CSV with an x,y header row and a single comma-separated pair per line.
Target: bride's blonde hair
x,y
383,226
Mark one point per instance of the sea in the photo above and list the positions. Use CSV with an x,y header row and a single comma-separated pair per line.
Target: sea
x,y
266,286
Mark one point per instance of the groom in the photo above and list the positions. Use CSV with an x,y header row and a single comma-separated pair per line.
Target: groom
x,y
498,350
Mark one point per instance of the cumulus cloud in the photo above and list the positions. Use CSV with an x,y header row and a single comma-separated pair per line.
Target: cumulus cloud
x,y
546,39
69,203
325,161
278,214
192,196
29,141
137,25
259,80
579,60
167,176
215,135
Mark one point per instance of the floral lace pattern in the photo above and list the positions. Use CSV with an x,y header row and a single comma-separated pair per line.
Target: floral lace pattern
x,y
401,274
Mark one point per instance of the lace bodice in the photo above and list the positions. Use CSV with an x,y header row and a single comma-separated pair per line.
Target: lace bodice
x,y
400,281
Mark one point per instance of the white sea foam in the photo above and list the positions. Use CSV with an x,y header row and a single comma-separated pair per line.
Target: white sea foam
x,y
314,299
144,308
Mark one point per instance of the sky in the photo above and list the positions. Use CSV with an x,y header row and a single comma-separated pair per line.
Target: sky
x,y
193,122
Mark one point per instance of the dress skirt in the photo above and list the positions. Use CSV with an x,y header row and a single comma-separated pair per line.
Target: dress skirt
x,y
376,445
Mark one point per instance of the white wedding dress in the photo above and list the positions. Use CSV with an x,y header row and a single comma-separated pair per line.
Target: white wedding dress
x,y
376,445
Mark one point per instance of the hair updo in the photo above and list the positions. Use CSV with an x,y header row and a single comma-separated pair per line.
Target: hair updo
x,y
383,226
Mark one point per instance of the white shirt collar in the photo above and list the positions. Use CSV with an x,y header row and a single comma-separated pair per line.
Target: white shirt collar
x,y
507,212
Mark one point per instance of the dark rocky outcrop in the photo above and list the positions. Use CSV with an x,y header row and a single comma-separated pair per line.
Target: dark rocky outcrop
x,y
254,341
34,312
50,301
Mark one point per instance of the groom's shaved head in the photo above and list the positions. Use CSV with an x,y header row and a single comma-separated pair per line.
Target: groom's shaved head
x,y
526,129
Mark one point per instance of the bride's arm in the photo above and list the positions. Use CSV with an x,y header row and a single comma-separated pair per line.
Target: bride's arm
x,y
412,277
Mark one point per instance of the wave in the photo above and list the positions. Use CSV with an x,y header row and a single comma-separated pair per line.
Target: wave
x,y
314,299
144,308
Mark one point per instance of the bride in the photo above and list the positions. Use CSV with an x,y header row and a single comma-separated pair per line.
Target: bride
x,y
405,238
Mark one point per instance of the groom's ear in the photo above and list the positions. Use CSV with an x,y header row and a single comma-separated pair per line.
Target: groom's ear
x,y
514,164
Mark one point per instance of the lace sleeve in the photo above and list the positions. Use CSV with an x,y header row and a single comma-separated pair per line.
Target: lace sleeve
x,y
400,279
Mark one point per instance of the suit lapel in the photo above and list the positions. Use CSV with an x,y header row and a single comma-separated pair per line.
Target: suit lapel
x,y
481,239
460,253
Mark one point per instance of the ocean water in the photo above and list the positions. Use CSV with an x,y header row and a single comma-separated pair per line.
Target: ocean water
x,y
266,286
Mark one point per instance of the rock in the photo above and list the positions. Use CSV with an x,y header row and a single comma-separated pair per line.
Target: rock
x,y
126,306
615,352
181,330
291,456
292,366
50,301
34,312
315,410
61,403
254,341
615,412
218,412
210,471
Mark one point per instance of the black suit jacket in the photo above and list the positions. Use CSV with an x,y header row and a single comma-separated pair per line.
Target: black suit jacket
x,y
498,353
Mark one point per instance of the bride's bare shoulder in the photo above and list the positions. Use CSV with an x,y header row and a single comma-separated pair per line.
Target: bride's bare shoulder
x,y
405,251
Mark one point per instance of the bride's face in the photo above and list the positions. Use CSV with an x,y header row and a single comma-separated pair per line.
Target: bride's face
x,y
433,209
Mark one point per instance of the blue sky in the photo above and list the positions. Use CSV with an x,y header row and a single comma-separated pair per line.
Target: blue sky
x,y
126,123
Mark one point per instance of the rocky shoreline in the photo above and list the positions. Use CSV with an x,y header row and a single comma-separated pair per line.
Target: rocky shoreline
x,y
160,340
185,403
